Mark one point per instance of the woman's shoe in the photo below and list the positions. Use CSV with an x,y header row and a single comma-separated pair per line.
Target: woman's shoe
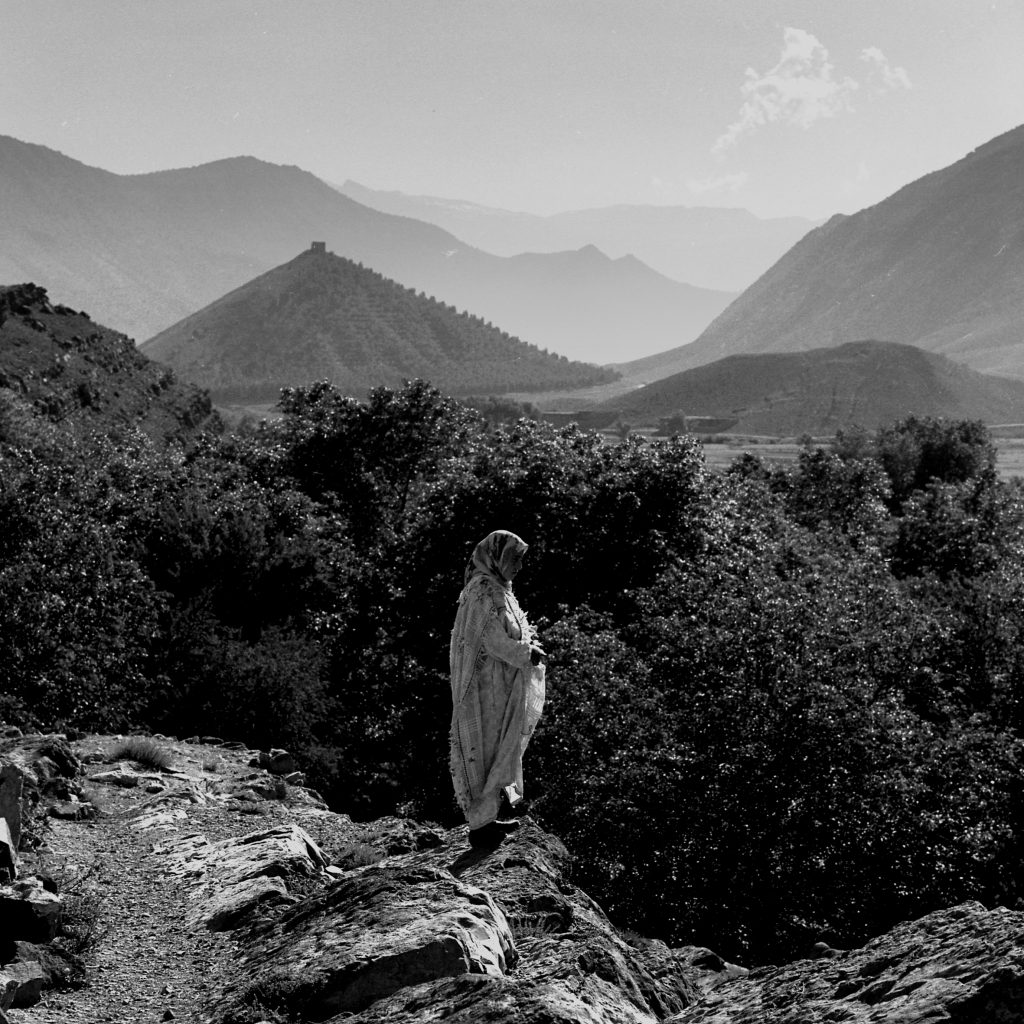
x,y
490,835
486,837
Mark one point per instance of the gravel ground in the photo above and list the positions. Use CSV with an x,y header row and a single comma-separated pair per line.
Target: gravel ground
x,y
149,964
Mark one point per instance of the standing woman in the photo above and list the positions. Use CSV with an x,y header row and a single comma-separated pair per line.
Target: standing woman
x,y
497,688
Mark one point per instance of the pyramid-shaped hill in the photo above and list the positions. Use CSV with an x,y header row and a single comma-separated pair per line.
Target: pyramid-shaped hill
x,y
938,264
324,317
870,383
60,367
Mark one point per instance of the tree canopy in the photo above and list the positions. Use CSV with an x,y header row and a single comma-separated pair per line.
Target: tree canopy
x,y
801,686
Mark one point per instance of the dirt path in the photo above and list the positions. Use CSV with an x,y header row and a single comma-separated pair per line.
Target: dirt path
x,y
149,963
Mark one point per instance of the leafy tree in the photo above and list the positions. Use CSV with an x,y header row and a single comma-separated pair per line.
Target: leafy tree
x,y
916,451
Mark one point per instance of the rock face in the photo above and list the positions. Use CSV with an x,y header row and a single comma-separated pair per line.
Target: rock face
x,y
375,933
446,933
964,964
28,911
396,922
237,875
442,931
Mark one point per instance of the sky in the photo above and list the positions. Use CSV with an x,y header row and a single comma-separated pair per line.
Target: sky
x,y
783,107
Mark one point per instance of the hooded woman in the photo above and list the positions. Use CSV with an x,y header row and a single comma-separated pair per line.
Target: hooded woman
x,y
497,688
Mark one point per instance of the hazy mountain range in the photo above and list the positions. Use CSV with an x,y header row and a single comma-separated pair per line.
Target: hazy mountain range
x,y
870,383
707,246
321,316
143,251
939,264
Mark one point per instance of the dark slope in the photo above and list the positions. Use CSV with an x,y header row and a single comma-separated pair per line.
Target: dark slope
x,y
321,316
57,365
711,247
939,264
870,383
144,251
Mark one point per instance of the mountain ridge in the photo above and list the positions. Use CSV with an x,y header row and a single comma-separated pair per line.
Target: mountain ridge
x,y
60,367
711,247
143,251
938,264
322,316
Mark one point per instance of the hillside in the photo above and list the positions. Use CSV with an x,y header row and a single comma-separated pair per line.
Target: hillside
x,y
712,247
57,365
321,316
870,383
939,264
143,251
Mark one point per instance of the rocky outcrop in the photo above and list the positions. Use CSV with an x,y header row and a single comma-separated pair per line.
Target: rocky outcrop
x,y
29,911
441,930
963,964
35,771
395,922
235,876
11,785
447,933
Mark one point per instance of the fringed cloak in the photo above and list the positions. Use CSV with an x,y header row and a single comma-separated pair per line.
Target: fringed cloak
x,y
497,694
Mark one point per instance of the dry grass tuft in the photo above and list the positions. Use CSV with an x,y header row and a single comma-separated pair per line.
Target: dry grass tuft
x,y
143,751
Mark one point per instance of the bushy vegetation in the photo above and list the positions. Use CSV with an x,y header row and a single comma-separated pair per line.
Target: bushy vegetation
x,y
785,704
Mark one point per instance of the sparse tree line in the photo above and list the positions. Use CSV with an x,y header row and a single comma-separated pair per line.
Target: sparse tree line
x,y
801,686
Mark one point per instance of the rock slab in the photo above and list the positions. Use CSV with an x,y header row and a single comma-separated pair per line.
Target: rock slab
x,y
964,965
377,931
236,876
29,912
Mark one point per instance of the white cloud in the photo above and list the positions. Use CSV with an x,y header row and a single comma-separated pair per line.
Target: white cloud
x,y
883,74
800,89
724,183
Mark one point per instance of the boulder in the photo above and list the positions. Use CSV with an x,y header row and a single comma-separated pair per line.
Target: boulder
x,y
29,911
227,906
121,776
486,1000
379,930
565,937
60,968
962,964
708,969
8,853
238,875
11,786
21,984
8,987
72,810
46,762
277,761
441,931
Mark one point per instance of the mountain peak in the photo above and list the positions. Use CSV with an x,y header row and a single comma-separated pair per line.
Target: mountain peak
x,y
322,316
938,264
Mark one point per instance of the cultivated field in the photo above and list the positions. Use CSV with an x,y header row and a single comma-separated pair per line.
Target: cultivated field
x,y
1009,463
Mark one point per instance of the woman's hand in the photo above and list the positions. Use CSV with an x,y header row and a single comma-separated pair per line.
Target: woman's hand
x,y
537,654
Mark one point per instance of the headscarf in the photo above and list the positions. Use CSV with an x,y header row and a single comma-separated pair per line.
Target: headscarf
x,y
493,556
488,568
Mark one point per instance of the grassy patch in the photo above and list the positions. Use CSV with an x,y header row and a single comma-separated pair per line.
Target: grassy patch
x,y
355,855
143,751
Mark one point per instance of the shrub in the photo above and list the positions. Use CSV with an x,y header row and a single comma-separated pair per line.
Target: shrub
x,y
143,751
